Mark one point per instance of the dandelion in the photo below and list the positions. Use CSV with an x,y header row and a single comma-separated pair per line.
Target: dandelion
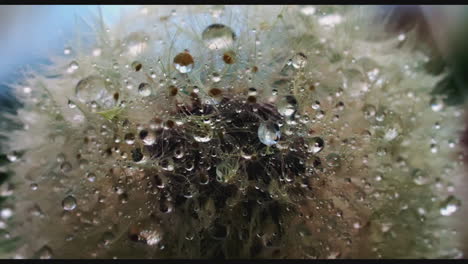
x,y
237,131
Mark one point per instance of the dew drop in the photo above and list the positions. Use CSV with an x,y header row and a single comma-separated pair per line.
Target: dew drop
x,y
66,167
315,145
73,66
129,138
287,106
184,62
69,203
144,89
136,66
269,133
92,88
45,253
299,60
226,170
449,206
333,160
436,104
218,36
148,137
369,111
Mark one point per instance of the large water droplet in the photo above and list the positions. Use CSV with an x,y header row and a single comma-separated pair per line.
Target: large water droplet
x,y
420,177
226,170
135,43
218,36
269,133
450,205
287,106
144,89
184,62
333,160
315,145
299,60
69,203
436,104
92,88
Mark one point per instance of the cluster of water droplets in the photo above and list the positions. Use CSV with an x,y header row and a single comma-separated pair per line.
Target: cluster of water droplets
x,y
183,159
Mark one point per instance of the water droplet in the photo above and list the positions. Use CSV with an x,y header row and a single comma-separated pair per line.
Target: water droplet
x,y
69,203
369,111
203,134
135,43
287,106
450,205
12,156
66,167
184,62
136,66
73,66
67,51
333,160
45,253
92,88
144,89
148,137
129,138
215,77
420,177
316,105
229,57
91,176
218,36
269,133
436,104
315,145
71,104
299,60
167,164
226,170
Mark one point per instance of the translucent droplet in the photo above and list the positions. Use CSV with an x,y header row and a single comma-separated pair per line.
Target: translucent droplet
x,y
92,88
287,106
67,51
91,176
420,177
226,170
167,164
369,111
299,60
12,156
129,138
315,145
73,66
135,43
136,66
203,134
450,206
215,77
436,104
148,137
316,105
269,133
69,203
333,160
144,89
184,62
66,167
45,253
252,91
218,36
71,104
